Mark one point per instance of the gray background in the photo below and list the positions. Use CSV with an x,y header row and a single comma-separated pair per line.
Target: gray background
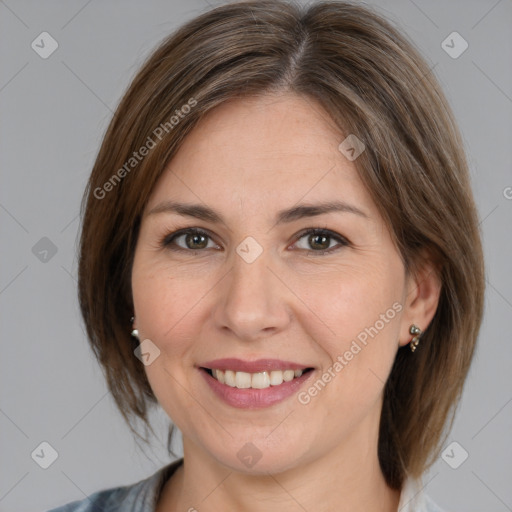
x,y
53,114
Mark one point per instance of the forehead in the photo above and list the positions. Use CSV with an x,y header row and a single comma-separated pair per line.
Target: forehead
x,y
275,150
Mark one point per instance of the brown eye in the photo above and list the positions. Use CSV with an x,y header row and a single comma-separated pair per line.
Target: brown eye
x,y
190,239
319,241
195,241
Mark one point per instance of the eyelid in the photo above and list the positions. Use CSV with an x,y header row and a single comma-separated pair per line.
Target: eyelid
x,y
168,239
343,242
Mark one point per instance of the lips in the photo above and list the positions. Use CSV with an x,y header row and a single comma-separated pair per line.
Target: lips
x,y
259,365
254,384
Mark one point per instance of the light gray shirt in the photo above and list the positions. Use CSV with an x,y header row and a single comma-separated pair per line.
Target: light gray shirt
x,y
143,496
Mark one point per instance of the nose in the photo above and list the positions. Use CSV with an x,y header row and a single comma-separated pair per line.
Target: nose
x,y
252,301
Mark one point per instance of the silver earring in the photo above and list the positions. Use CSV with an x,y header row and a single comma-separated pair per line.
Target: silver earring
x,y
416,332
135,332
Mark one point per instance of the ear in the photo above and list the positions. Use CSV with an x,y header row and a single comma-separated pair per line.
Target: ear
x,y
422,292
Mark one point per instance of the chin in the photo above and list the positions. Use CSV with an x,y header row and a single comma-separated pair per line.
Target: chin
x,y
273,464
258,457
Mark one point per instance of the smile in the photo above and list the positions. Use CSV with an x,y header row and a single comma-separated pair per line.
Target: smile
x,y
254,384
259,380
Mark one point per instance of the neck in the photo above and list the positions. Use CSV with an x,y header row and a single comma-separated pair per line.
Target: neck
x,y
347,478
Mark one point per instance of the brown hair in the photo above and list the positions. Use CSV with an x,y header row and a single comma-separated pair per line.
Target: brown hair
x,y
372,82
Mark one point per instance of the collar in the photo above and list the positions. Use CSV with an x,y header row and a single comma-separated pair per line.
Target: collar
x,y
412,497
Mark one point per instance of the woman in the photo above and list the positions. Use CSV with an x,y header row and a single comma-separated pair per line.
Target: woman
x,y
280,247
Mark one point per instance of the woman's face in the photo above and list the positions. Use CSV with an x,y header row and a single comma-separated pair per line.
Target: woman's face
x,y
253,296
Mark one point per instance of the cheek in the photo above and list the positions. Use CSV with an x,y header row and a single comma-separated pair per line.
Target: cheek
x,y
165,308
359,322
355,300
166,315
157,293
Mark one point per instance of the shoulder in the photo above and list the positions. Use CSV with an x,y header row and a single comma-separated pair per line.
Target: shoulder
x,y
102,501
138,497
129,497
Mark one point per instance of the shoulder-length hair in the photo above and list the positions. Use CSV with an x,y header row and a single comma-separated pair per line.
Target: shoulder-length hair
x,y
373,83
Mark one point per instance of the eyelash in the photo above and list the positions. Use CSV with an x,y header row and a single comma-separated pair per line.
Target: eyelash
x,y
168,240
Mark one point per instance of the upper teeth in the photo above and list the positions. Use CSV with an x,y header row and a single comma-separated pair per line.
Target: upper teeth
x,y
260,380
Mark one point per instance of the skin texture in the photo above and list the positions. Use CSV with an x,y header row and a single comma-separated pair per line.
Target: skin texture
x,y
249,159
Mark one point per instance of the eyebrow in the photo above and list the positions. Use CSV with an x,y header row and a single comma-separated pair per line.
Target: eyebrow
x,y
199,211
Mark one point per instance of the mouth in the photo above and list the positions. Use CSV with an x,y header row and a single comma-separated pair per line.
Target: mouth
x,y
257,380
254,384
